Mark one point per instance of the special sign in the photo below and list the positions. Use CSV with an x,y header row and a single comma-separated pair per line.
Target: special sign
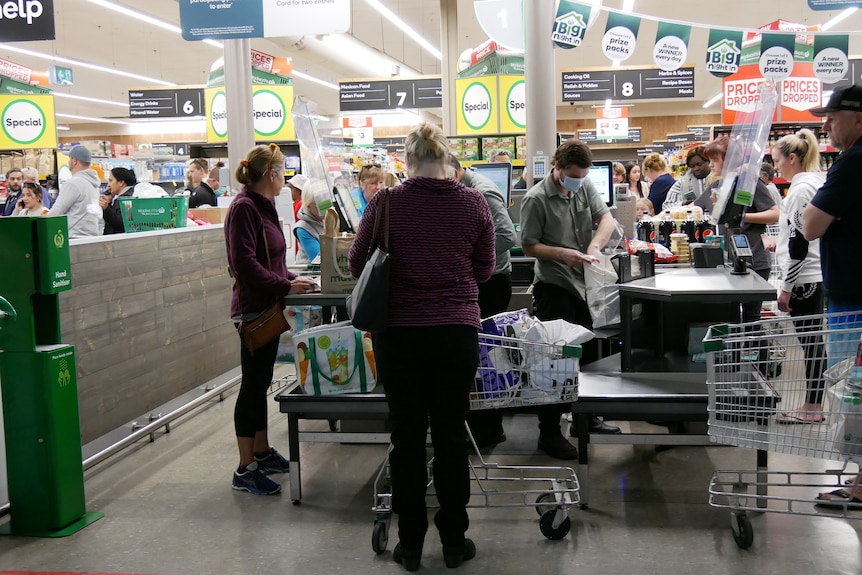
x,y
28,121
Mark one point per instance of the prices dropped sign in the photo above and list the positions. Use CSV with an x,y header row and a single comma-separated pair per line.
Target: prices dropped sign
x,y
28,121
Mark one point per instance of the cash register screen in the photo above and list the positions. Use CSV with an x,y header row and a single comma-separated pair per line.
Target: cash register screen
x,y
601,177
501,174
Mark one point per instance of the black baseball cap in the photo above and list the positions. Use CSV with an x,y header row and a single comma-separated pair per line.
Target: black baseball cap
x,y
849,99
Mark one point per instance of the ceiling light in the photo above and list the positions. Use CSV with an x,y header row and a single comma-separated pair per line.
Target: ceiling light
x,y
712,100
615,63
401,25
91,119
88,99
80,64
628,6
62,127
840,18
305,76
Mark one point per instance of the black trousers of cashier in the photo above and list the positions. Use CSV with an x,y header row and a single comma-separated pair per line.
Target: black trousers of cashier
x,y
427,373
553,302
494,297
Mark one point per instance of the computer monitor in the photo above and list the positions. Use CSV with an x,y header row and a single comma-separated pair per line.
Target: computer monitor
x,y
501,174
601,175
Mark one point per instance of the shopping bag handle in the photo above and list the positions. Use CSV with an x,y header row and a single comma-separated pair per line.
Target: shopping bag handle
x,y
358,363
335,259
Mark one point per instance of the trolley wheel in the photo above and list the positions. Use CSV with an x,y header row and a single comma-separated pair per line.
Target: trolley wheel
x,y
743,534
545,502
546,526
380,537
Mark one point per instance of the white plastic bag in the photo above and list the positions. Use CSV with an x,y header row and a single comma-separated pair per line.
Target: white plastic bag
x,y
603,293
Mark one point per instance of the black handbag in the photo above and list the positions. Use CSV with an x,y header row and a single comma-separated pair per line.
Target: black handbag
x,y
368,303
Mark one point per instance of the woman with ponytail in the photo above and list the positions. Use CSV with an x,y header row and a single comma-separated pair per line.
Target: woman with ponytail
x,y
255,253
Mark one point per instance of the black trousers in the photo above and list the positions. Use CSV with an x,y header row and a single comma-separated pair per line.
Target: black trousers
x,y
805,300
494,297
427,373
249,414
553,302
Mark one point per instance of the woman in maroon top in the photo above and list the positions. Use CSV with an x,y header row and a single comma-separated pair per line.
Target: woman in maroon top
x,y
261,279
442,246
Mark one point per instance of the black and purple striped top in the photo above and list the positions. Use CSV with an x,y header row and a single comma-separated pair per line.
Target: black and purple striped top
x,y
441,240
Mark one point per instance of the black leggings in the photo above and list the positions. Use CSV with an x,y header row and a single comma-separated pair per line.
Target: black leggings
x,y
427,373
249,415
807,299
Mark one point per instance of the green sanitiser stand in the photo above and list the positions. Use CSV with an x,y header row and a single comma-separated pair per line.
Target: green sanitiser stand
x,y
38,381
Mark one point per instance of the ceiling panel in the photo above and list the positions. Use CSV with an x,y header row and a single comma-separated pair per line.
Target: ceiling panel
x,y
93,34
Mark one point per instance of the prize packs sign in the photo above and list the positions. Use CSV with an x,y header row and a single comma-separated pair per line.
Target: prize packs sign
x,y
798,93
272,107
28,121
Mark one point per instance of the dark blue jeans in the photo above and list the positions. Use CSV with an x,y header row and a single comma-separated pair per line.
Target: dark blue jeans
x,y
427,373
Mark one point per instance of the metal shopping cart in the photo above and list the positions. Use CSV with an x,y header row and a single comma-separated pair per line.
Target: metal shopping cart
x,y
512,373
764,382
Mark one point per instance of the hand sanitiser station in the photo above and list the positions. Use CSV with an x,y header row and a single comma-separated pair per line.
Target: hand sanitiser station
x,y
38,382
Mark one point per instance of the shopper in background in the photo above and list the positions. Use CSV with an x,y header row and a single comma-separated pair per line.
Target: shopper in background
x,y
214,178
557,218
767,174
14,181
200,192
428,355
494,294
692,184
801,290
644,207
390,180
52,186
655,169
637,187
371,178
256,256
835,216
30,203
500,157
619,173
296,183
121,182
31,175
309,223
79,198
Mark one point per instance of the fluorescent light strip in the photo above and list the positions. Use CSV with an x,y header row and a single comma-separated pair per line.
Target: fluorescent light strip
x,y
401,25
88,99
91,119
839,18
62,127
712,100
305,76
71,62
148,19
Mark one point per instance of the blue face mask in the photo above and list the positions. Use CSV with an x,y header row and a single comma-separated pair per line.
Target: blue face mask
x,y
572,184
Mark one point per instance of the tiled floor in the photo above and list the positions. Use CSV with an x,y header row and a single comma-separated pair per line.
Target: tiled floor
x,y
169,509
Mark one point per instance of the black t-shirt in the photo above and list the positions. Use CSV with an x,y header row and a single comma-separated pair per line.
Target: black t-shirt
x,y
203,194
841,198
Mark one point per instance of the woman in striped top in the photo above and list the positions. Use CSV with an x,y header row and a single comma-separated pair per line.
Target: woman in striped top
x,y
441,241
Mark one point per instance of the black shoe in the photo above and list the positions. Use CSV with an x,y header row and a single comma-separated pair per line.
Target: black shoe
x,y
596,426
487,439
557,447
455,555
409,558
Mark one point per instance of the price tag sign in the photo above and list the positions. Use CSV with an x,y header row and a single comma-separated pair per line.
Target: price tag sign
x,y
612,123
363,136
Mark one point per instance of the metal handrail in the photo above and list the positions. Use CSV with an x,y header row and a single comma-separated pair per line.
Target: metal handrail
x,y
162,421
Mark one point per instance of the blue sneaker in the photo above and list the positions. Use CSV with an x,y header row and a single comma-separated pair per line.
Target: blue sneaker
x,y
273,463
254,481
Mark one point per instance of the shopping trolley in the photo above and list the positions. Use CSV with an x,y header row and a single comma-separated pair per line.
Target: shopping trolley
x,y
766,383
512,373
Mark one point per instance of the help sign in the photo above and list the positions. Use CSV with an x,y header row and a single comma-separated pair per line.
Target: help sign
x,y
26,9
26,20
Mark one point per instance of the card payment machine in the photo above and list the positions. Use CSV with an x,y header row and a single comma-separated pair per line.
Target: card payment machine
x,y
741,253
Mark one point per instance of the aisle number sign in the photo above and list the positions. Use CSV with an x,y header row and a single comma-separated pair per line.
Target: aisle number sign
x,y
272,107
28,121
514,97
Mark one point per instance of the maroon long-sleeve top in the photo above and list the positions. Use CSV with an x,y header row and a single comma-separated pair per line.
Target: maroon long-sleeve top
x,y
441,240
251,216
